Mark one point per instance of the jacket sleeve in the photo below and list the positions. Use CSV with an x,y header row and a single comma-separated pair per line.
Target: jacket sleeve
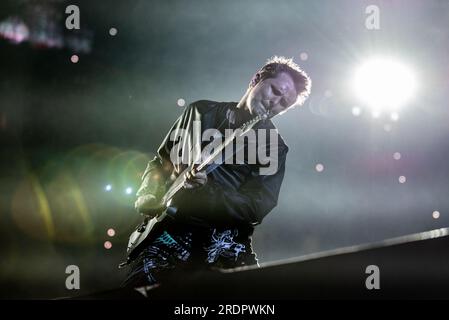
x,y
160,168
152,179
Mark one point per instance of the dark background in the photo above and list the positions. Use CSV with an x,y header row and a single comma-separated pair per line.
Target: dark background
x,y
67,130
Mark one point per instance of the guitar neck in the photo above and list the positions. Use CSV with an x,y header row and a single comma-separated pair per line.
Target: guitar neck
x,y
217,151
179,182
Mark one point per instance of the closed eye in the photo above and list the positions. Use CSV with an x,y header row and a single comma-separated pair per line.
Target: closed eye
x,y
276,91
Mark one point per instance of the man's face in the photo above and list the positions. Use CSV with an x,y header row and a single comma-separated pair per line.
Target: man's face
x,y
272,94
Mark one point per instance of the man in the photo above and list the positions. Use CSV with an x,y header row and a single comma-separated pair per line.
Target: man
x,y
217,209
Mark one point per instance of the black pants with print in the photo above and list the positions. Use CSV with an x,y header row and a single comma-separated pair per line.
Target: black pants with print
x,y
180,246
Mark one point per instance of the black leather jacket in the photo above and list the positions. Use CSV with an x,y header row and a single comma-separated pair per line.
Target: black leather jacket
x,y
235,194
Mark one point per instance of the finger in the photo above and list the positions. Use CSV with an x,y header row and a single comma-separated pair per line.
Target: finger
x,y
199,180
188,185
197,183
191,184
201,174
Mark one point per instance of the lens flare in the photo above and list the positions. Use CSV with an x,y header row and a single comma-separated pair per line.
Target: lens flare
x,y
384,84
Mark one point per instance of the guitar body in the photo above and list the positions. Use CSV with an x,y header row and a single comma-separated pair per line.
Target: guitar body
x,y
142,232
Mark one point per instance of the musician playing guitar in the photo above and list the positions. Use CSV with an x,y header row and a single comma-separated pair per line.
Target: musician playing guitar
x,y
201,213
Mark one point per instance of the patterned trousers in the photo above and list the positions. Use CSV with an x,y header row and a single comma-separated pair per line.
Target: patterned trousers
x,y
175,247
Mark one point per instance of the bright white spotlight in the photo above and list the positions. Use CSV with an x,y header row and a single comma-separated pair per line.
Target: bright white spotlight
x,y
395,116
356,111
375,114
181,102
319,167
384,84
129,190
108,187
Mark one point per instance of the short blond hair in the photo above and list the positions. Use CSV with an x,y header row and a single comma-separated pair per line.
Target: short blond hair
x,y
278,64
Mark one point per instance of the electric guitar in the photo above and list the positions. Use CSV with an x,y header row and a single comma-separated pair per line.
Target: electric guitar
x,y
144,229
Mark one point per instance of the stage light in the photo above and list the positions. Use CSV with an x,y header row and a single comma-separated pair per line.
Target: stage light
x,y
436,214
14,29
384,84
74,58
396,156
402,179
395,116
108,187
181,102
303,56
319,167
113,31
356,111
107,245
129,190
111,232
